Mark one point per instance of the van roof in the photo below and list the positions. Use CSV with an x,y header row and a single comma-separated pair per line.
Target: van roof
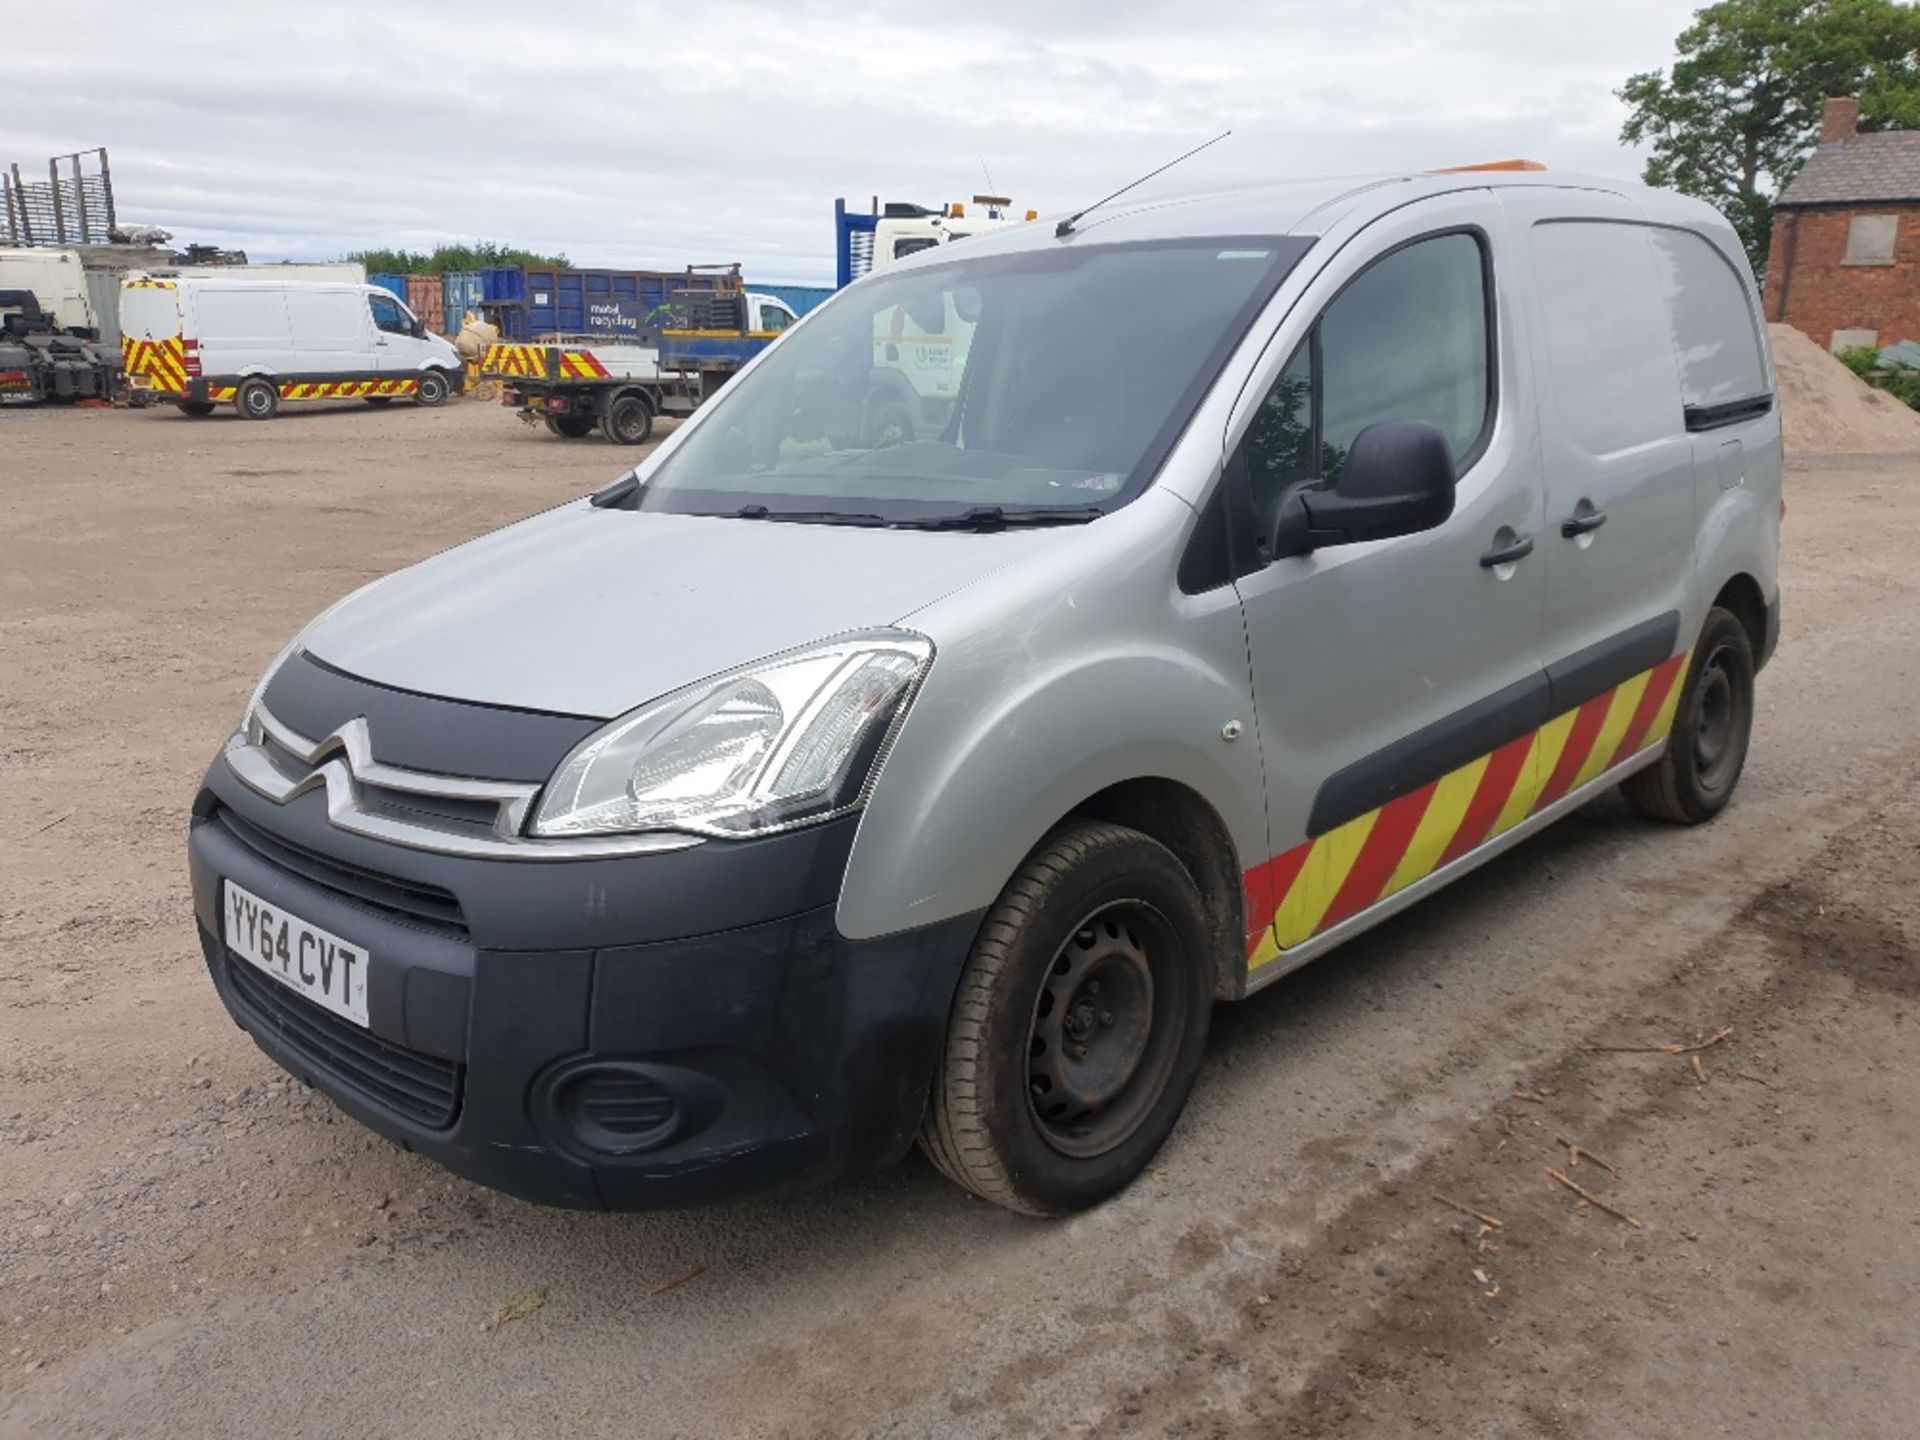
x,y
1313,206
266,282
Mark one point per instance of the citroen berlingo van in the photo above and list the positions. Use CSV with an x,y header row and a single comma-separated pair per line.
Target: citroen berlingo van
x,y
1271,559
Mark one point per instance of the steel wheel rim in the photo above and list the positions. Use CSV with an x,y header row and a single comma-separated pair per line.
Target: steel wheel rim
x,y
628,422
257,401
1103,1036
1716,747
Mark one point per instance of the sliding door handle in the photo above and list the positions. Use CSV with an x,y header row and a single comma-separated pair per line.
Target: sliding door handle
x,y
1507,548
1583,522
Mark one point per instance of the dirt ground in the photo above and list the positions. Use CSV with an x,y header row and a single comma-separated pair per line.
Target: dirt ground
x,y
192,1245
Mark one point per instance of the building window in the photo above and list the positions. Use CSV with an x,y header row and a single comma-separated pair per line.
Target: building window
x,y
1870,239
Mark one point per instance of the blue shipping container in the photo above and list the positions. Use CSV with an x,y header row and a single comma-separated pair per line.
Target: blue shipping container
x,y
463,291
503,284
395,283
801,297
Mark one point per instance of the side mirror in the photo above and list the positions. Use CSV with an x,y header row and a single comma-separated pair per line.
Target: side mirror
x,y
1398,480
419,328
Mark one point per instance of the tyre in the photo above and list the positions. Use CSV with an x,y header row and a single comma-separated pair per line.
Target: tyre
x,y
432,389
1707,747
890,424
379,399
198,409
628,421
257,399
1078,1025
570,427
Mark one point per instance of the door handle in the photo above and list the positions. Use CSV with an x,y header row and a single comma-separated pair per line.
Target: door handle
x,y
1507,550
1583,522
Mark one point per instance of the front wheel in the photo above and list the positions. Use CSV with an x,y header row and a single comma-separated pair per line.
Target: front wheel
x,y
1078,1025
198,409
1707,747
432,388
570,427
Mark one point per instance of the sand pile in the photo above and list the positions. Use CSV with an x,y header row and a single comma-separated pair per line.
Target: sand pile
x,y
1826,409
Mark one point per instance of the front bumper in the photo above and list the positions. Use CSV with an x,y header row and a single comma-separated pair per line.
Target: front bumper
x,y
652,1031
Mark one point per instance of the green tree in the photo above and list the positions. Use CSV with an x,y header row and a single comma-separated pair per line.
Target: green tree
x,y
481,255
1736,116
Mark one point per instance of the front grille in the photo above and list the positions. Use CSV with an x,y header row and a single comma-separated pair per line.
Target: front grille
x,y
422,1087
411,902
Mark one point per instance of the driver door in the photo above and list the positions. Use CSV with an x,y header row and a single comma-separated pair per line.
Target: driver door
x,y
1391,678
397,351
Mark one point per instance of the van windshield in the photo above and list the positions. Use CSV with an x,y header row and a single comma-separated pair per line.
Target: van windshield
x,y
1041,380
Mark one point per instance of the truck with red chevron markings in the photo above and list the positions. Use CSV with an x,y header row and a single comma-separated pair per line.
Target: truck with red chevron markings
x,y
580,384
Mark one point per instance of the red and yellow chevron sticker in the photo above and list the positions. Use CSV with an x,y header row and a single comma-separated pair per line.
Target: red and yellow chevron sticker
x,y
344,389
525,362
581,365
149,285
1316,885
162,364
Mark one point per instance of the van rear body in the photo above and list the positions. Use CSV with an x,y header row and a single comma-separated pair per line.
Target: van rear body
x,y
1265,562
202,342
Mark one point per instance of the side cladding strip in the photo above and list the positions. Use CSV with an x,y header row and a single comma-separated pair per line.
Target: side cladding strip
x,y
1363,861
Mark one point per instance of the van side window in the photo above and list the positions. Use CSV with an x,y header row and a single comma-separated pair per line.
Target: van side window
x,y
388,316
912,245
773,318
1406,340
1714,332
1610,368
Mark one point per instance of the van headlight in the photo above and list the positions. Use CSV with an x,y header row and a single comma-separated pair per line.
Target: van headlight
x,y
781,743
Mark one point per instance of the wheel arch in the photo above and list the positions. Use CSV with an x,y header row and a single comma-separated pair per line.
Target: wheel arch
x,y
1742,597
1180,818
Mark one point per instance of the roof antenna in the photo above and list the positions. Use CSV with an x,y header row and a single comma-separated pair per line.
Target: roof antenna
x,y
1065,227
984,171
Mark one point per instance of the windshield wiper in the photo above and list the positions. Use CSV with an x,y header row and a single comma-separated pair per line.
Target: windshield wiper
x,y
995,517
809,517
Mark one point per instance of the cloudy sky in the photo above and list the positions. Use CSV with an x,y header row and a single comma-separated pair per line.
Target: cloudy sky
x,y
650,135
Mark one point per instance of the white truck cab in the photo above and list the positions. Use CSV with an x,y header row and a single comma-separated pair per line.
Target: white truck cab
x,y
201,342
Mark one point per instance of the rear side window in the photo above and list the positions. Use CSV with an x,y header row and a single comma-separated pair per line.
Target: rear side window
x,y
1407,339
1713,326
1610,379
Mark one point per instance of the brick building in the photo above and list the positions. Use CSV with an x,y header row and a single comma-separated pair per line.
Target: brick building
x,y
1843,265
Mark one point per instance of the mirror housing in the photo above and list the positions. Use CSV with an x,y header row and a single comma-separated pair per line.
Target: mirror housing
x,y
419,328
1398,480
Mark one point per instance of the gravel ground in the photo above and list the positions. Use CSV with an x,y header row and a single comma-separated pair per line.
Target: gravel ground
x,y
192,1244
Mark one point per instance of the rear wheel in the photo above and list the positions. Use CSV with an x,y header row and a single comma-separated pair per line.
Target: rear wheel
x,y
628,421
432,388
570,427
1078,1025
257,399
198,409
1707,748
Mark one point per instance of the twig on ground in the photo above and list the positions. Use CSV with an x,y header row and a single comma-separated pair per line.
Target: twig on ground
x,y
1594,1200
1484,1219
1699,1070
1575,1152
664,1286
50,824
1756,1079
1532,1097
1678,1047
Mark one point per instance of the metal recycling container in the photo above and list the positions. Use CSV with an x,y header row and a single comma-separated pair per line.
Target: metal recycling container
x,y
388,281
425,300
463,293
609,303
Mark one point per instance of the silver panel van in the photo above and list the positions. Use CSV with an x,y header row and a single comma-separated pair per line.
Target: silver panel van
x,y
1262,562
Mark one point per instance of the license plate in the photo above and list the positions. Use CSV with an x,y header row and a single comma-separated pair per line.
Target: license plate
x,y
306,959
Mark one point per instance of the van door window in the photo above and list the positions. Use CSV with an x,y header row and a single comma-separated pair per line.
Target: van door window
x,y
388,316
912,245
1714,330
1407,339
1608,342
773,318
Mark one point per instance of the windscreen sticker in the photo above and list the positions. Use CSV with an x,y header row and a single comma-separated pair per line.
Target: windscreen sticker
x,y
1243,255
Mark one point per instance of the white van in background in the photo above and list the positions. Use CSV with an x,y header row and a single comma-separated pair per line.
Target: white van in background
x,y
255,342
